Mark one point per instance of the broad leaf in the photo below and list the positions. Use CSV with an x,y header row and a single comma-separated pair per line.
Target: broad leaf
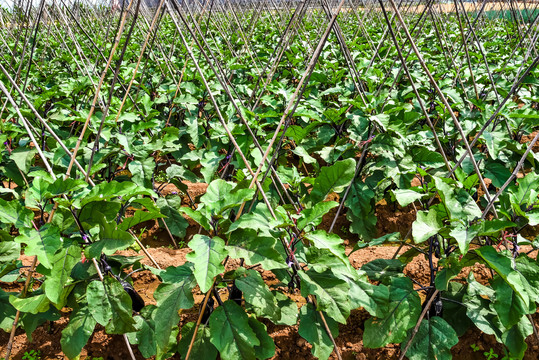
x,y
77,332
206,256
169,207
425,226
231,333
333,178
331,293
111,305
312,329
257,294
434,340
14,213
170,299
403,311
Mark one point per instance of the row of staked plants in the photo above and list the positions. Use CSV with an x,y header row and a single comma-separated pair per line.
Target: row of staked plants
x,y
365,150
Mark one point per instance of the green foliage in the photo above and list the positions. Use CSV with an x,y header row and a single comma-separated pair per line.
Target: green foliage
x,y
369,147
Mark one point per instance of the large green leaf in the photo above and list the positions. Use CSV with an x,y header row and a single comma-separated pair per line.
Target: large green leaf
x,y
144,337
221,195
259,219
114,190
360,206
383,269
503,266
464,234
111,239
7,311
141,216
457,201
43,243
202,347
110,305
56,284
313,216
402,314
331,242
434,340
206,256
425,226
176,223
231,333
266,349
515,338
77,332
507,304
35,303
247,245
334,178
142,172
331,293
13,212
257,294
171,297
312,329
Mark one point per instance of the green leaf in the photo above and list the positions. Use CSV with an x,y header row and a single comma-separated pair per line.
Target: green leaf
x,y
170,299
322,240
221,195
202,347
403,311
266,349
169,207
331,292
259,219
56,285
7,311
246,244
406,196
23,156
114,190
503,266
231,333
9,251
110,305
288,308
140,216
43,243
507,304
77,332
142,172
257,294
312,329
464,235
14,213
145,335
360,206
207,256
383,269
333,178
425,225
99,302
33,304
373,298
515,338
457,201
434,340
313,216
111,239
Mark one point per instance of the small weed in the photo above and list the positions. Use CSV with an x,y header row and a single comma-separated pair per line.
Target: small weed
x,y
32,355
474,347
490,354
